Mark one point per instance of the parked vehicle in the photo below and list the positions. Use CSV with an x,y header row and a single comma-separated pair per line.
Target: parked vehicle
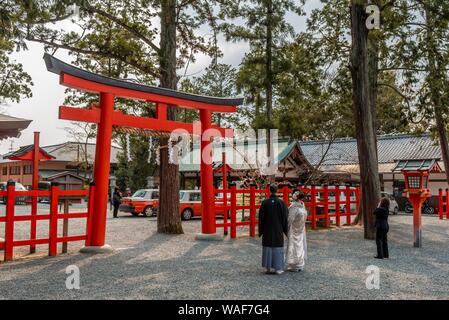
x,y
425,209
190,205
44,186
394,207
19,187
143,201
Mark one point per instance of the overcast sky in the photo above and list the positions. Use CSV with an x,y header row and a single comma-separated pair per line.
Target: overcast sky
x,y
42,108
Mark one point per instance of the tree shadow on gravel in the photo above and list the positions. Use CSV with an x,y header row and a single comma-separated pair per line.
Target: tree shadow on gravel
x,y
224,270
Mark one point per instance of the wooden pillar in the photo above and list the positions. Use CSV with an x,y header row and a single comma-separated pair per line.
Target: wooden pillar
x,y
207,188
101,170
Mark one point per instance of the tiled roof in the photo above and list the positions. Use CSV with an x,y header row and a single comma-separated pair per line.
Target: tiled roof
x,y
343,152
390,148
69,152
249,153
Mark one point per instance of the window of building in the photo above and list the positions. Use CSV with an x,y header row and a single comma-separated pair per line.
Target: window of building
x,y
5,170
14,170
28,169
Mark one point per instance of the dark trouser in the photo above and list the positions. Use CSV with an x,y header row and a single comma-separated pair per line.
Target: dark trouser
x,y
382,243
115,211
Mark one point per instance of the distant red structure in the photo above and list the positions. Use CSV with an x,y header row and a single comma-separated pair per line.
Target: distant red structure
x,y
34,154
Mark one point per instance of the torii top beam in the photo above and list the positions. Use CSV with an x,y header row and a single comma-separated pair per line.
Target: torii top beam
x,y
76,78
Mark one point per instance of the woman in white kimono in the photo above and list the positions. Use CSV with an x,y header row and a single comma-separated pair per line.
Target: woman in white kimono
x,y
296,252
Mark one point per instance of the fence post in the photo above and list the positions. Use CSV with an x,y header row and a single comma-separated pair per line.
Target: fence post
x,y
285,195
233,212
313,205
90,207
252,210
440,203
357,199
225,209
326,205
348,204
447,203
9,225
53,224
337,205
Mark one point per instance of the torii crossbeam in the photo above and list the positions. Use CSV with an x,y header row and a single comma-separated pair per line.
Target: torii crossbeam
x,y
107,118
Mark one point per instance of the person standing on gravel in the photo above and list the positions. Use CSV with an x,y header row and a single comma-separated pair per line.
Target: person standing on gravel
x,y
116,199
273,225
382,228
296,252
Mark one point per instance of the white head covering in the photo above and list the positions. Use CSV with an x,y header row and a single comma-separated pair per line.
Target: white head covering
x,y
295,195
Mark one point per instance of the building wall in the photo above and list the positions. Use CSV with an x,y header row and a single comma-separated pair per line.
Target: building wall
x,y
26,179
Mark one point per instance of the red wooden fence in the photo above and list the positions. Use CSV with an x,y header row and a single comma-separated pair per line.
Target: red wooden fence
x,y
53,217
443,207
321,203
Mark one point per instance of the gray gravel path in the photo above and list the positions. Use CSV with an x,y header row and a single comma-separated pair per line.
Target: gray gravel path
x,y
147,265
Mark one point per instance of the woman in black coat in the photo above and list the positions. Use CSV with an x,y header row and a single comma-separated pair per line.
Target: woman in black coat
x,y
382,228
116,200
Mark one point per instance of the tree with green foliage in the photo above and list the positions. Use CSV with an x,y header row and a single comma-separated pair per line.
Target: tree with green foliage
x,y
266,29
218,80
132,42
15,83
419,55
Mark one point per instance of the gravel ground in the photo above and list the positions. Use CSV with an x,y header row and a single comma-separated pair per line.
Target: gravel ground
x,y
148,265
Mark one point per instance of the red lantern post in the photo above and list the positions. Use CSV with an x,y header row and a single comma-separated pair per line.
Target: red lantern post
x,y
416,174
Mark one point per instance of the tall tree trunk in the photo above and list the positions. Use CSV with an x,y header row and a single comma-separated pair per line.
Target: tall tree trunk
x,y
169,219
269,84
363,116
435,77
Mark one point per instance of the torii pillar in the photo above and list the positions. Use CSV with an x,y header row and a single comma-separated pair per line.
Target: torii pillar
x,y
97,233
208,227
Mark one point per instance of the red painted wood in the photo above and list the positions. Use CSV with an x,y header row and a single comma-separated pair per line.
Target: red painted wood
x,y
440,203
207,177
313,205
348,205
90,86
101,170
233,212
224,170
53,224
123,120
446,209
326,206
161,111
337,206
9,225
252,211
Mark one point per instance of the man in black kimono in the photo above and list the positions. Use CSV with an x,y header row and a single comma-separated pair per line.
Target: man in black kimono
x,y
273,224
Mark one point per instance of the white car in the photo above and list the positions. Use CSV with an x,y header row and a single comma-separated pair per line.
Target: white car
x,y
394,207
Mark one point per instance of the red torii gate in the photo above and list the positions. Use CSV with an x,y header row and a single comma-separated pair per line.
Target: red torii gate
x,y
106,118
